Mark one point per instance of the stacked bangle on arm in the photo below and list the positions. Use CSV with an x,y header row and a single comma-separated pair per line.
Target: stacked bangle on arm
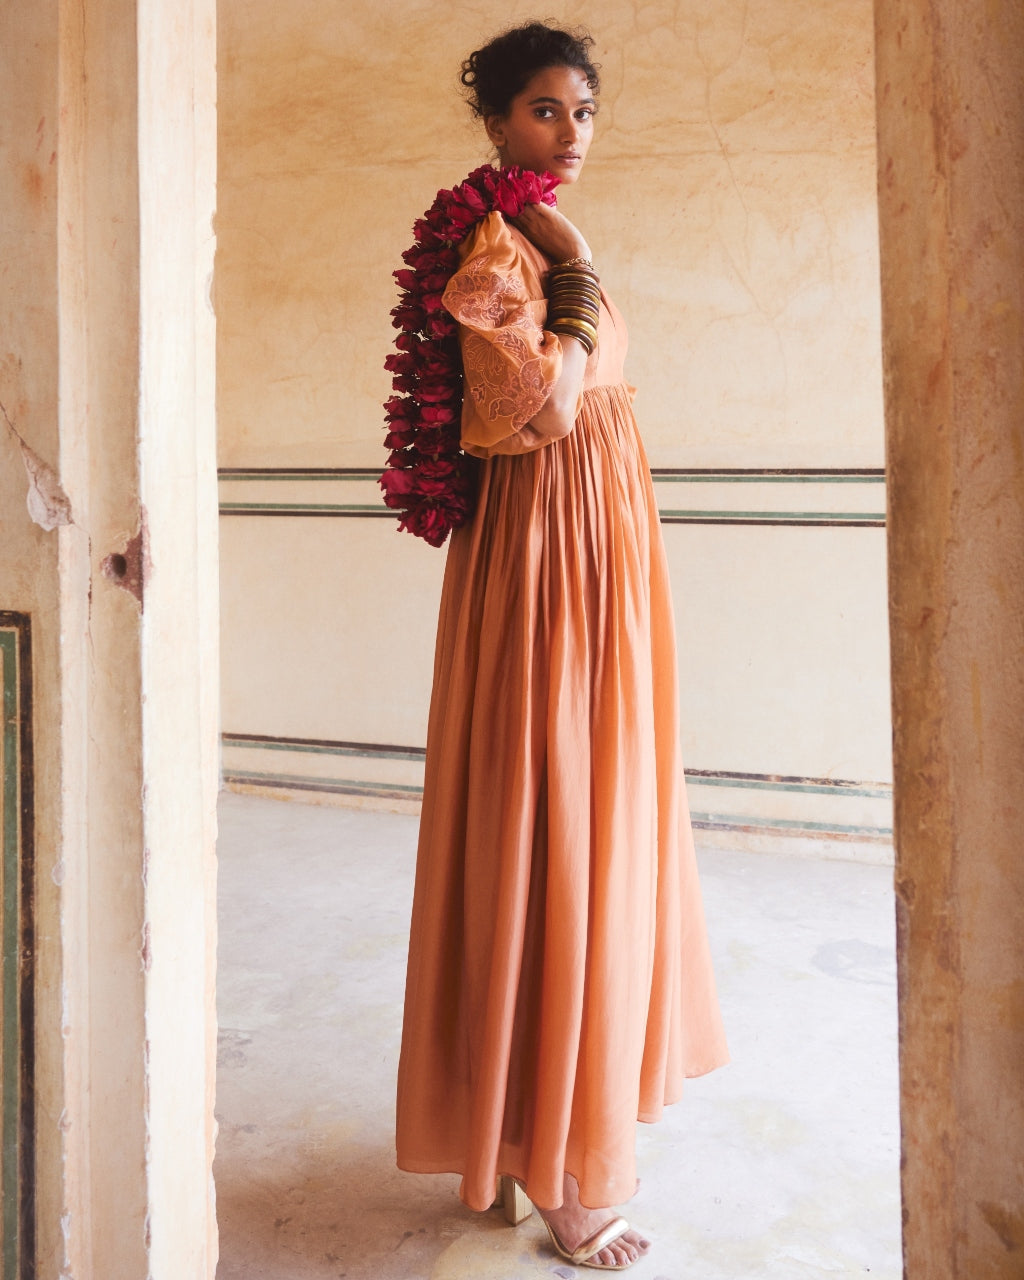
x,y
574,301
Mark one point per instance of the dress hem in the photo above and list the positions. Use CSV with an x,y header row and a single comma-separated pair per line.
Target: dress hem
x,y
428,1167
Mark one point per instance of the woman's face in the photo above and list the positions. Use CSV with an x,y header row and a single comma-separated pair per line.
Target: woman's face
x,y
549,126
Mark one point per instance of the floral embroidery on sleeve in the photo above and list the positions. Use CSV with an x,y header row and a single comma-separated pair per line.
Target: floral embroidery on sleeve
x,y
476,295
510,363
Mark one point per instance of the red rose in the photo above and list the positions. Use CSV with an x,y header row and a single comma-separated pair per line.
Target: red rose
x,y
435,391
400,362
398,482
409,319
400,408
440,325
473,201
437,414
426,235
428,523
434,364
437,442
434,281
436,468
400,436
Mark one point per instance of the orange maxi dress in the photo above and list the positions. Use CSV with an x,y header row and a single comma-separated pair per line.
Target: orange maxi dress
x,y
559,984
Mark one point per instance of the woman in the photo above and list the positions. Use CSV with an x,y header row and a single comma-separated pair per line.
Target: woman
x,y
559,984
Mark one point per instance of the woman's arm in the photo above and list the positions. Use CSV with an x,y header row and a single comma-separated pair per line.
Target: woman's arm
x,y
555,236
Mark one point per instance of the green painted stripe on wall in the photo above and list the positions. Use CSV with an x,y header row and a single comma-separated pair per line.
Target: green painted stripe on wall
x,y
343,786
348,786
690,516
326,748
880,792
696,515
282,473
764,477
747,822
695,777
698,475
304,508
661,476
364,787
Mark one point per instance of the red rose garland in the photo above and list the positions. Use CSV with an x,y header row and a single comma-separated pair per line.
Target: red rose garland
x,y
429,481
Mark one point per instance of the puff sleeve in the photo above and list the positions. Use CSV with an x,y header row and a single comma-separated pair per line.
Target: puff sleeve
x,y
510,362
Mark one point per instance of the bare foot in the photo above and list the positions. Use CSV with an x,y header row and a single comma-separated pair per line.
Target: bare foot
x,y
573,1224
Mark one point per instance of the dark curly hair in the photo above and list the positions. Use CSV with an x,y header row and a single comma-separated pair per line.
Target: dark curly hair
x,y
503,68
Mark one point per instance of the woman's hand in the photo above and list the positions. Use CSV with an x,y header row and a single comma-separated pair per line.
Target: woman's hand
x,y
552,233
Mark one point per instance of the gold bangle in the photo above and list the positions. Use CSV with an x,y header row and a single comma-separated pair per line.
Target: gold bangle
x,y
576,262
559,290
587,346
563,271
590,283
573,299
572,313
576,322
575,328
575,314
586,342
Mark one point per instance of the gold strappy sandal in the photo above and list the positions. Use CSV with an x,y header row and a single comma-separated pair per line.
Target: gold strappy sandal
x,y
516,1206
512,1200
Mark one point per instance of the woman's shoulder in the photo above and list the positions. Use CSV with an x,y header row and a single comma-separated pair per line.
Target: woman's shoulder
x,y
504,246
493,236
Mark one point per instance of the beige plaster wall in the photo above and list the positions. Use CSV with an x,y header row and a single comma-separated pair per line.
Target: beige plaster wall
x,y
106,381
29,561
730,201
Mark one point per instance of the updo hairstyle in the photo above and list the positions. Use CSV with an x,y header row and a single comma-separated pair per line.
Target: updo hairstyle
x,y
504,67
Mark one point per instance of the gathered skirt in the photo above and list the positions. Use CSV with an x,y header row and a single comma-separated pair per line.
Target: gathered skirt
x,y
559,984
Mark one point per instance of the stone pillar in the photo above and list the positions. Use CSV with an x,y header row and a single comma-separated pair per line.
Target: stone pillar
x,y
177,131
108,504
951,190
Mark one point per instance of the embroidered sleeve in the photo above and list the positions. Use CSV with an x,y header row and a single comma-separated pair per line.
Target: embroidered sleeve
x,y
510,363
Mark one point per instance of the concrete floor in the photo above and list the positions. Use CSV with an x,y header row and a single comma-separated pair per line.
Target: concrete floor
x,y
782,1166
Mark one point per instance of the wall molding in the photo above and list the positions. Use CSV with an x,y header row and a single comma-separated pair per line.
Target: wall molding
x,y
721,799
834,497
373,771
17,927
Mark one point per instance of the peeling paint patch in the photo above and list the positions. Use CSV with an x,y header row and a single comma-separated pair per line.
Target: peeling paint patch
x,y
130,567
48,505
65,1230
